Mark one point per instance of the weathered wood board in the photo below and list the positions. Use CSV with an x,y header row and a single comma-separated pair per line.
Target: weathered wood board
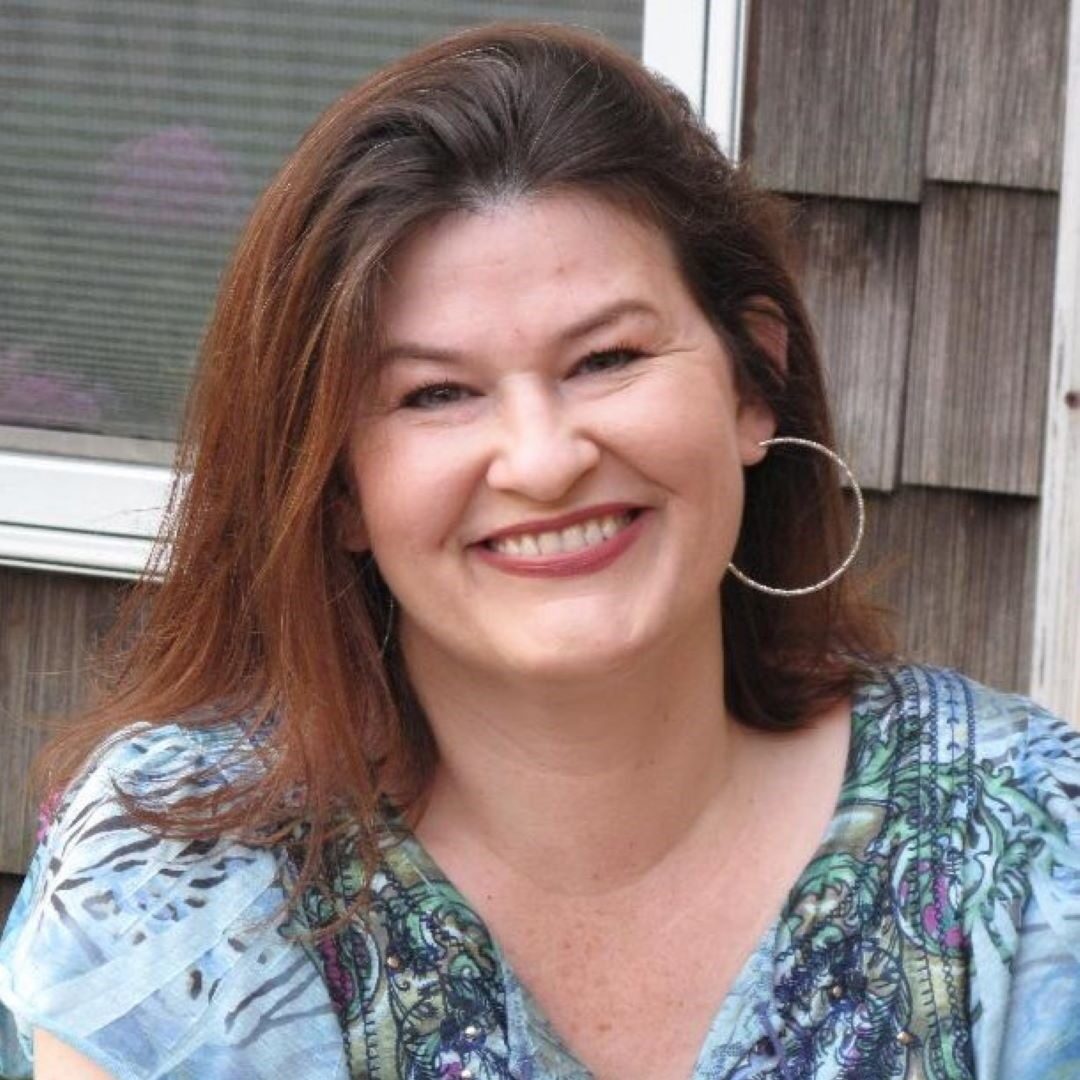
x,y
856,261
958,569
980,350
49,623
997,101
838,97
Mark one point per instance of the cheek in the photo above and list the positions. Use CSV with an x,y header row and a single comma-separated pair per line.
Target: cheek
x,y
411,491
687,442
679,429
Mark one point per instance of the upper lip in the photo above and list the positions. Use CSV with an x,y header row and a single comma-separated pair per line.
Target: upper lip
x,y
563,521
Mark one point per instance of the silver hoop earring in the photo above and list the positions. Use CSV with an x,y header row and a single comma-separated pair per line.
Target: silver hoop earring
x,y
389,627
860,526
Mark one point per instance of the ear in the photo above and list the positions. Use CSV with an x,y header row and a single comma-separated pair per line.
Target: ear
x,y
352,533
765,323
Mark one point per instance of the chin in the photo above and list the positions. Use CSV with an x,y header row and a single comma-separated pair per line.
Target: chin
x,y
575,657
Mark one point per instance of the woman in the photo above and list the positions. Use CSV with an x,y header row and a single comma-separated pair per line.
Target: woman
x,y
437,755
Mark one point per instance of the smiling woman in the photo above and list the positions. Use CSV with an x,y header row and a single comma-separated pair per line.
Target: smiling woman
x,y
449,747
530,467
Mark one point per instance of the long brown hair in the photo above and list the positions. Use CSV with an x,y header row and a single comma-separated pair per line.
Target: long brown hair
x,y
262,615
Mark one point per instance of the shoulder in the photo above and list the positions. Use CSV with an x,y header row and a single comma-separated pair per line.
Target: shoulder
x,y
154,763
96,847
157,956
1017,764
1026,753
1017,788
993,729
986,789
987,780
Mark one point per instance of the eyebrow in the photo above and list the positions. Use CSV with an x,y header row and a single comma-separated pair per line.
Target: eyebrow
x,y
597,320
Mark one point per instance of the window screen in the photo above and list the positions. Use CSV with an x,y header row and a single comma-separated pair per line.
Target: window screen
x,y
135,137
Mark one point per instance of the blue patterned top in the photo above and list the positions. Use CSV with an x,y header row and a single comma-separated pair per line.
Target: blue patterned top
x,y
935,934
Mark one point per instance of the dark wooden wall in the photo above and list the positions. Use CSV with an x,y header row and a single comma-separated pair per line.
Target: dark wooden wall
x,y
920,144
9,888
49,626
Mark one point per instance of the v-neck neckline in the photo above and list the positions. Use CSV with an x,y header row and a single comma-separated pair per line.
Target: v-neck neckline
x,y
744,1016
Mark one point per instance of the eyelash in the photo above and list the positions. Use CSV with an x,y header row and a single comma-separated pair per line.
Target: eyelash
x,y
629,352
423,397
434,395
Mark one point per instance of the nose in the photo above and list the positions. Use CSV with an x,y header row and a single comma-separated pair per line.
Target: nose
x,y
540,451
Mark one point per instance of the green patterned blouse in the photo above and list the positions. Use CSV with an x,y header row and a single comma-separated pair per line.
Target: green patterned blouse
x,y
934,934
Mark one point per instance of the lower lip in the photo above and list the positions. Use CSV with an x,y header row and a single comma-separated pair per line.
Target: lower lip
x,y
584,561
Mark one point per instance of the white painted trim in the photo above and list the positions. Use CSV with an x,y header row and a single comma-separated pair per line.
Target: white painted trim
x,y
73,553
1056,662
78,514
725,71
700,46
673,45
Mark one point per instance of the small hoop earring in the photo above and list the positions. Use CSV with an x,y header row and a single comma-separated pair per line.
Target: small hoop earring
x,y
860,506
389,627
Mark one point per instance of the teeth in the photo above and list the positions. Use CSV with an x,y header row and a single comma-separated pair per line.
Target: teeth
x,y
573,538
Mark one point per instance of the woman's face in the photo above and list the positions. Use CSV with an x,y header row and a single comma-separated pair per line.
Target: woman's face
x,y
551,478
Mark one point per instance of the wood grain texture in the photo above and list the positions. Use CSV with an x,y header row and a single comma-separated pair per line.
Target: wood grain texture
x,y
997,99
837,96
50,623
980,351
958,568
856,261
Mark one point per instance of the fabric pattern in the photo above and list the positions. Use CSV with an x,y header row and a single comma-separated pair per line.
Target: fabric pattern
x,y
935,934
160,958
417,984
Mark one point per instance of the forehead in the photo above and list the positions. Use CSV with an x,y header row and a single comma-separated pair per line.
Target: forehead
x,y
529,259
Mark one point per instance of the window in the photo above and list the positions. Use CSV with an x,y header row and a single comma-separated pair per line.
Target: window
x,y
137,134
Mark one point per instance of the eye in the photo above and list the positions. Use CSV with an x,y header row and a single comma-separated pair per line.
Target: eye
x,y
607,360
435,395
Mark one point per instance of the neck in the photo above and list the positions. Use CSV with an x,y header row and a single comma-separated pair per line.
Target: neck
x,y
583,787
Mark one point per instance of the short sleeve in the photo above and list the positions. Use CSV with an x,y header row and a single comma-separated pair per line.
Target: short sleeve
x,y
1026,947
159,958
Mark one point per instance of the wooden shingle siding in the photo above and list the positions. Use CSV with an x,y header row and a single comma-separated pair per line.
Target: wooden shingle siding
x,y
9,889
839,96
980,347
997,105
959,570
934,316
50,624
856,262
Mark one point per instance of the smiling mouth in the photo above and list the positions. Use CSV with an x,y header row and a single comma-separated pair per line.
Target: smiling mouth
x,y
577,537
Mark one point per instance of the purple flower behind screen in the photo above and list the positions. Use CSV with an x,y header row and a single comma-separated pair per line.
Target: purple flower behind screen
x,y
49,399
174,176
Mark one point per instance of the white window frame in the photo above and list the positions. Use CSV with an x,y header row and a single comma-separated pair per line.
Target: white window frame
x,y
85,515
1056,659
79,515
